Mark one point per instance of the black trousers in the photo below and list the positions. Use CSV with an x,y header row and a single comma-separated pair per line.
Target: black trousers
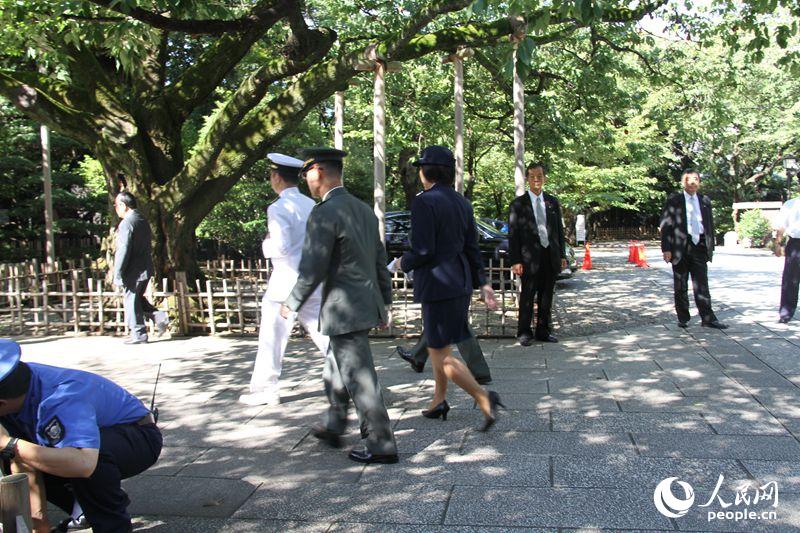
x,y
469,349
540,286
694,263
137,309
125,451
791,278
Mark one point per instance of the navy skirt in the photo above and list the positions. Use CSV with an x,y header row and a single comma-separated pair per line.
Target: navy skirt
x,y
445,321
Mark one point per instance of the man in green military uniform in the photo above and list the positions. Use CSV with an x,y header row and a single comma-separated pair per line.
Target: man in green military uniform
x,y
343,251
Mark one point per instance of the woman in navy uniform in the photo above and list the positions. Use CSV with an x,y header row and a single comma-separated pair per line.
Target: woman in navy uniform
x,y
447,267
78,434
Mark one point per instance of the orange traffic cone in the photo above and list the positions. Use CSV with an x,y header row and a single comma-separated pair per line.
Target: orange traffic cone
x,y
641,257
587,259
632,251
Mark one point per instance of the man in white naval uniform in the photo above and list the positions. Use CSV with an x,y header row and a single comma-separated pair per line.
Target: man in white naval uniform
x,y
286,223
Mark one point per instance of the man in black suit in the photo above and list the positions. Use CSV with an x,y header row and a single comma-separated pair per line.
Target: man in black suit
x,y
133,267
687,241
537,253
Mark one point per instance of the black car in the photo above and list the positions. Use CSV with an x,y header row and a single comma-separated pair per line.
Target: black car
x,y
492,243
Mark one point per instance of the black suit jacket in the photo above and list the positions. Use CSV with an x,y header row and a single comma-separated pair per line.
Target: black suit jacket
x,y
444,251
524,245
133,260
674,226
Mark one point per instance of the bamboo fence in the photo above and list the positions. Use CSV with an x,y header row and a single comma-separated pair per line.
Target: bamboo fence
x,y
74,297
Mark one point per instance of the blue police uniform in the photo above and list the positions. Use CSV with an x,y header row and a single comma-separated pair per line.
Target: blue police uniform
x,y
72,408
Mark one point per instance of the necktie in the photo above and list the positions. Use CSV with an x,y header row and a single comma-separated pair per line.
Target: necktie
x,y
541,222
695,221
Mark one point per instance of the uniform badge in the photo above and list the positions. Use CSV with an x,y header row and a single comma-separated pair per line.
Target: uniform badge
x,y
54,431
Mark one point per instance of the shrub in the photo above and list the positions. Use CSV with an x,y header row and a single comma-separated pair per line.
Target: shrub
x,y
755,226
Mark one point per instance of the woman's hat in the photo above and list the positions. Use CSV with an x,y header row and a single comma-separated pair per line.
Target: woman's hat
x,y
436,155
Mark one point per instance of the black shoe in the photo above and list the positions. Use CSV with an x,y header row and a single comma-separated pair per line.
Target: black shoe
x,y
546,338
525,339
484,380
405,355
716,324
494,404
367,457
136,341
327,436
683,325
784,319
436,412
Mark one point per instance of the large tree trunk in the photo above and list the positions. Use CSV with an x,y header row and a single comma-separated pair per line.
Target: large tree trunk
x,y
407,174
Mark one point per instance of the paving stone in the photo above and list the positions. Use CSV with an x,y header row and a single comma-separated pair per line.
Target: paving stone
x,y
172,524
630,422
256,466
718,446
173,459
394,503
443,469
352,527
472,418
548,443
186,496
745,424
627,472
546,507
785,473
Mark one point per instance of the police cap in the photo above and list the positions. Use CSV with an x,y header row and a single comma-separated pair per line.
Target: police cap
x,y
9,357
436,155
318,155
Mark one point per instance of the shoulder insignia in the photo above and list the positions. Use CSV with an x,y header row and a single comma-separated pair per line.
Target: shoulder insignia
x,y
54,431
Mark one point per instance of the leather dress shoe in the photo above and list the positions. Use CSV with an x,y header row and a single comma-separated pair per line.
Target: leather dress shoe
x,y
484,380
327,436
525,340
683,325
367,457
716,324
546,338
784,319
405,355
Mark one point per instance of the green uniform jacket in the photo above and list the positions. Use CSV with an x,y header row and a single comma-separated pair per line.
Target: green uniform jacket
x,y
343,251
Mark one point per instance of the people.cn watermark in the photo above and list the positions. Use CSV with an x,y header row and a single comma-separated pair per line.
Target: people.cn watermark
x,y
737,507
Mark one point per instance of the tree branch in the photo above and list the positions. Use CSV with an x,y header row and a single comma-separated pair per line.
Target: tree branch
x,y
425,17
199,81
197,27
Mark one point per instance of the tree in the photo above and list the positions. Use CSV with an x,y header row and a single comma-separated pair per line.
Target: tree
x,y
130,79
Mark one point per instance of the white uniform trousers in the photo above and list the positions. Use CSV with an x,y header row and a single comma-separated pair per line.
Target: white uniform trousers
x,y
273,336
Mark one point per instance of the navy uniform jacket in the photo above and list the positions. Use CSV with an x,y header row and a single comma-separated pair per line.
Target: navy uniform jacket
x,y
444,251
133,260
674,226
524,245
67,408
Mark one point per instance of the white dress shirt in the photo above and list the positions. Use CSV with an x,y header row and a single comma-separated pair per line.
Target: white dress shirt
x,y
694,217
789,218
540,213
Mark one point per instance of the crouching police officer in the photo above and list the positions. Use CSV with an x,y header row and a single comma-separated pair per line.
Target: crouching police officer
x,y
77,435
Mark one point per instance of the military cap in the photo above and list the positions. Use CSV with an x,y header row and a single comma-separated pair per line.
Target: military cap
x,y
9,357
436,155
284,163
318,155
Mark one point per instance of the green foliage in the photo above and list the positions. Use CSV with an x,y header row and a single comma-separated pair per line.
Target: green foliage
x,y
755,226
78,192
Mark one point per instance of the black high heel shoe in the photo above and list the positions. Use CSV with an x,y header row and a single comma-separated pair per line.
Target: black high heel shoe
x,y
436,412
494,404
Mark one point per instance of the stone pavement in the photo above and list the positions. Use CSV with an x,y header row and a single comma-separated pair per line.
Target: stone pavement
x,y
595,422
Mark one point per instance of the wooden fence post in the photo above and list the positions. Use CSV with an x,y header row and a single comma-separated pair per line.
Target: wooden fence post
x,y
211,320
75,303
182,303
15,504
101,307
